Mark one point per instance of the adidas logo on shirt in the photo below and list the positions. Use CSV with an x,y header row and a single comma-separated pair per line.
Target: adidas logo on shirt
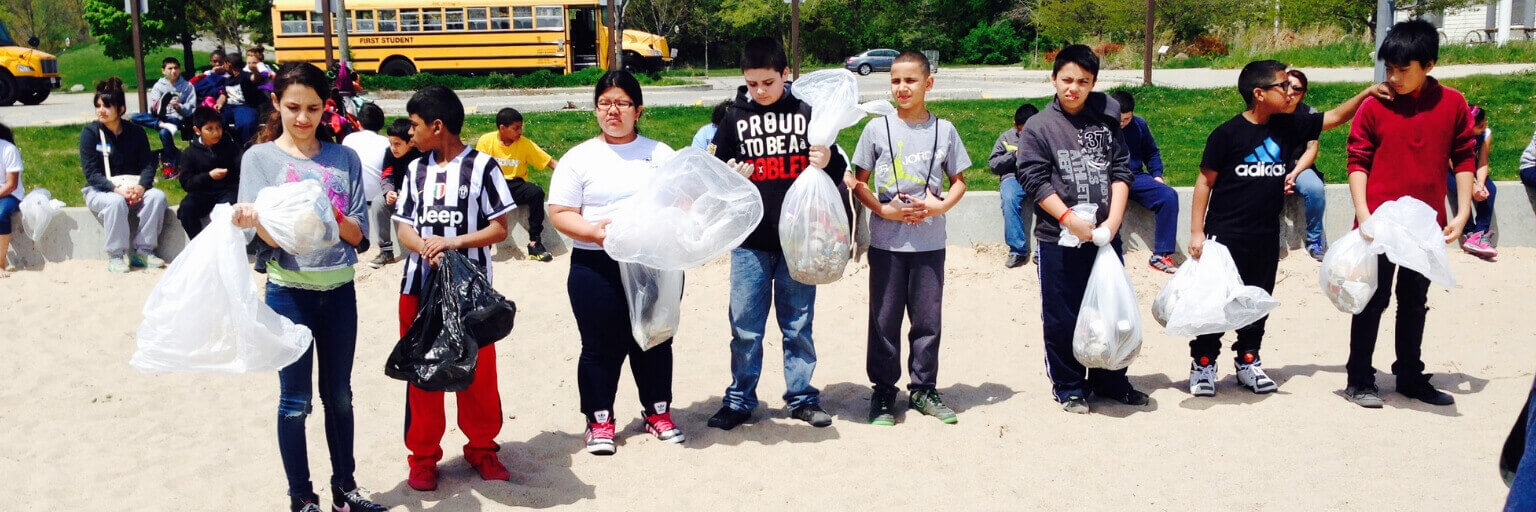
x,y
1265,161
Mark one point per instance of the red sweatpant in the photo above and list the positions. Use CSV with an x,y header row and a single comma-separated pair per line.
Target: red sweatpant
x,y
479,406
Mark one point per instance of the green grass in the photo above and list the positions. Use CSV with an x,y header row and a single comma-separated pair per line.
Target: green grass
x,y
1180,118
1357,53
86,65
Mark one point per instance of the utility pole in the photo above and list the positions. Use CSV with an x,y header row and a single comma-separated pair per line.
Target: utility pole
x,y
325,12
134,9
1386,11
341,16
615,38
1146,57
794,33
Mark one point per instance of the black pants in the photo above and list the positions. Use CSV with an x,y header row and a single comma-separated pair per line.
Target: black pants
x,y
910,283
196,207
602,317
1257,261
1064,275
1412,306
528,195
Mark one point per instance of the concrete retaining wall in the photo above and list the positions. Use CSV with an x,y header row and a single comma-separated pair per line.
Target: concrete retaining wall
x,y
76,234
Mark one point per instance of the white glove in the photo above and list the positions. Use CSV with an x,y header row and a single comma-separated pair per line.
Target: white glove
x,y
745,169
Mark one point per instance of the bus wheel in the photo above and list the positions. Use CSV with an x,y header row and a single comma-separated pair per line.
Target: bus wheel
x,y
34,97
7,89
398,66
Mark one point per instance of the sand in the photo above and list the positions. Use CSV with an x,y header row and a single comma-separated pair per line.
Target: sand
x,y
84,431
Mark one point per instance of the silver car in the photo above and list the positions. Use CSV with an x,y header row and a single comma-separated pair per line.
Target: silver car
x,y
871,61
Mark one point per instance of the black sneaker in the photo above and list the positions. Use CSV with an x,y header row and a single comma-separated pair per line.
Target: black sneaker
x,y
309,503
353,501
537,252
813,414
1132,397
882,408
1366,396
385,257
1422,391
1015,260
727,418
1075,404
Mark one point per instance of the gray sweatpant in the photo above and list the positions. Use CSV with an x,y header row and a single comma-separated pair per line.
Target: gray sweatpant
x,y
382,211
910,283
112,210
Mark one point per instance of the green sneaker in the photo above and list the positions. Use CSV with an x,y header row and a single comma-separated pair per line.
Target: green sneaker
x,y
117,266
145,260
927,401
882,410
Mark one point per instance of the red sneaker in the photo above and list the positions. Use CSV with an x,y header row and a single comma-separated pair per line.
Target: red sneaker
x,y
661,426
487,464
600,438
170,172
423,478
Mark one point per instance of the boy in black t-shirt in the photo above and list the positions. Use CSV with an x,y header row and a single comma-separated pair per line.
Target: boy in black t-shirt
x,y
210,171
1238,200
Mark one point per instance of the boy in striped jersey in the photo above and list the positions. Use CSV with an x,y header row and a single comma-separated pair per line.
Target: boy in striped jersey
x,y
453,199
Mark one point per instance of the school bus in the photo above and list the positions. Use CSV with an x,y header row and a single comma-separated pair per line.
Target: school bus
x,y
402,37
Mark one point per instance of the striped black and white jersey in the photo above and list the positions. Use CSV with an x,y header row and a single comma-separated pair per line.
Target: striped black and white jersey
x,y
458,198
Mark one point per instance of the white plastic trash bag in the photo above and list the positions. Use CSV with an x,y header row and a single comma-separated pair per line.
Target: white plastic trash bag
x,y
1349,273
1108,332
694,209
1407,231
298,216
207,315
655,302
1207,296
1084,211
814,230
38,209
834,98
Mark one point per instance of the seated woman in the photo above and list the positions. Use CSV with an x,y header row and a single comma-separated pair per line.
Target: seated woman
x,y
120,179
10,194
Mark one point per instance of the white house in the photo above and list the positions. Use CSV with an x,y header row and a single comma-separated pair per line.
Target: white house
x,y
1477,23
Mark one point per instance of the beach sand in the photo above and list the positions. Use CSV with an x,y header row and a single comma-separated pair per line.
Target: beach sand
x,y
84,431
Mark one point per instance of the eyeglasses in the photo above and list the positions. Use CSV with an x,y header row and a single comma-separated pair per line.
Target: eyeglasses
x,y
620,105
1298,90
1285,84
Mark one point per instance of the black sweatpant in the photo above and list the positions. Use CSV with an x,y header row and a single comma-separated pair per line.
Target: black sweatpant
x,y
910,283
602,318
1064,275
528,195
196,207
1412,307
1257,261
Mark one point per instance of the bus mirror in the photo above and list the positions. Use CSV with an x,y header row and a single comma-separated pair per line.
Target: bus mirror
x,y
33,41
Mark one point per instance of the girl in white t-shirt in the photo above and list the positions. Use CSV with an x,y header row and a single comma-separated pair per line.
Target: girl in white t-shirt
x,y
10,194
587,185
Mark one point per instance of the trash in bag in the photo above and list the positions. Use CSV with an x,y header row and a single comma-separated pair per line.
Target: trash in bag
x,y
459,314
298,216
207,314
38,210
1085,211
1108,331
1406,230
814,230
813,224
1349,272
694,209
1207,296
655,302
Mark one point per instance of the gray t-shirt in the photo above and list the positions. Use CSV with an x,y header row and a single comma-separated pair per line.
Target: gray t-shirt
x,y
926,155
339,173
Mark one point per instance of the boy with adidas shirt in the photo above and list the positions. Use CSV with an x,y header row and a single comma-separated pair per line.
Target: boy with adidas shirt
x,y
1238,201
454,199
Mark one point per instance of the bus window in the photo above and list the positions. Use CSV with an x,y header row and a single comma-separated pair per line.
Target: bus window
x,y
388,22
316,23
363,20
295,22
431,20
410,20
550,18
522,18
477,18
454,18
499,19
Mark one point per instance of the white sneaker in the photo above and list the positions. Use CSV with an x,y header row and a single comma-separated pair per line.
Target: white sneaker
x,y
1202,379
1251,375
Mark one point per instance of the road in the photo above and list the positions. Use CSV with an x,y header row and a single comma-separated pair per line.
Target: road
x,y
954,83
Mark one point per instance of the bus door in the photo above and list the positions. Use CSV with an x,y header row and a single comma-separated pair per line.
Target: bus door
x,y
583,37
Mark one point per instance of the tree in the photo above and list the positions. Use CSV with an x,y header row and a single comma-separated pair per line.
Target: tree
x,y
113,28
51,21
1357,16
230,20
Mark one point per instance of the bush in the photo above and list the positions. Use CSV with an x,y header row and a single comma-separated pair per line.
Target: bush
x,y
996,43
1105,49
1205,46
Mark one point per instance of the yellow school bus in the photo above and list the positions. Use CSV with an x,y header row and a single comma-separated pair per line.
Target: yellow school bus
x,y
402,37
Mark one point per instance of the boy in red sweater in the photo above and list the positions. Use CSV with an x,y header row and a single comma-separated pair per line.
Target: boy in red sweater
x,y
1398,149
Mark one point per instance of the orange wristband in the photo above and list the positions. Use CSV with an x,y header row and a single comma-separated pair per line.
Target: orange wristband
x,y
1062,220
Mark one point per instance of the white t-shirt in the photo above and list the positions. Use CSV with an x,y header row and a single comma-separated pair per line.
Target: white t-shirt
x,y
371,148
595,176
10,163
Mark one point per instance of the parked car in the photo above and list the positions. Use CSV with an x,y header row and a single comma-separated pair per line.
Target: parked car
x,y
871,61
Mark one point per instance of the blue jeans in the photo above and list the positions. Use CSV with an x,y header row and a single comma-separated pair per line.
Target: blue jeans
x,y
1528,176
9,205
169,155
1017,215
1314,198
243,118
759,278
1482,211
1522,492
332,316
1164,203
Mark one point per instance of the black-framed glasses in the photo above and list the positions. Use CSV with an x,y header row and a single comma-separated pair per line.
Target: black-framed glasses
x,y
1285,84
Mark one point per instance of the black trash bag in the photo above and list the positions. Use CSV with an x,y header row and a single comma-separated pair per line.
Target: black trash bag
x,y
459,314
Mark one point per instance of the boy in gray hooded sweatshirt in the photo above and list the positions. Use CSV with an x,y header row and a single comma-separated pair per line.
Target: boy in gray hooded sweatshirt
x,y
1073,153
